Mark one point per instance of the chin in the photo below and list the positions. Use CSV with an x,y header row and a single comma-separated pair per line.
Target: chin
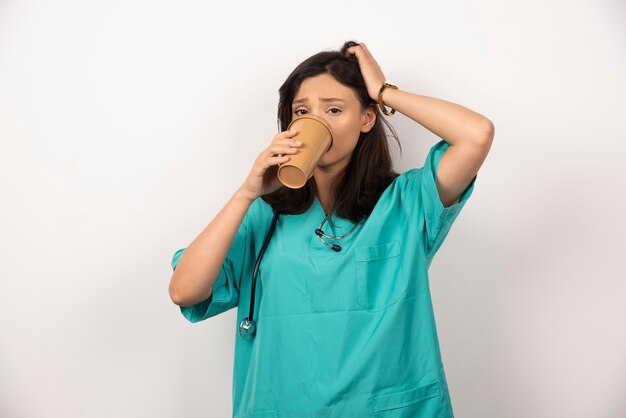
x,y
323,161
326,163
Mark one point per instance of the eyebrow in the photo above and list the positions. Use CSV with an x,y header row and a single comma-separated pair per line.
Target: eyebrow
x,y
330,99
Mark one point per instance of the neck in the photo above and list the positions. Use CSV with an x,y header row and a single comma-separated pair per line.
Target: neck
x,y
324,177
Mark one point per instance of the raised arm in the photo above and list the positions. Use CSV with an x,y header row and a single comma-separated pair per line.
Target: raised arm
x,y
469,133
199,265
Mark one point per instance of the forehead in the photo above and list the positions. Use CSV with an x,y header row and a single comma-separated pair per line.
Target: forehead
x,y
324,86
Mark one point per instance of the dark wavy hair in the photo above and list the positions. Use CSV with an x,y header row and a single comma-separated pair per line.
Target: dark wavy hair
x,y
357,189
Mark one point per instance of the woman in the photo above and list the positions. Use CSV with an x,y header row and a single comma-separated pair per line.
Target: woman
x,y
344,320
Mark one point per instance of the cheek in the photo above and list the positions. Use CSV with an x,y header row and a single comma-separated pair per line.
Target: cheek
x,y
344,135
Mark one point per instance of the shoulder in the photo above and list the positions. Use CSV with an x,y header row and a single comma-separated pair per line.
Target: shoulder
x,y
259,212
410,174
412,177
405,181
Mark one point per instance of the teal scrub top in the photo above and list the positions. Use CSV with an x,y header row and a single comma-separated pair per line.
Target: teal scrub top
x,y
339,334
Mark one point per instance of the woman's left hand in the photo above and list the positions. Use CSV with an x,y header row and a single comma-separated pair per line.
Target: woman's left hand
x,y
370,70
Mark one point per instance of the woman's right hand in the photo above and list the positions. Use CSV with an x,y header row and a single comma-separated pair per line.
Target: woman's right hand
x,y
263,178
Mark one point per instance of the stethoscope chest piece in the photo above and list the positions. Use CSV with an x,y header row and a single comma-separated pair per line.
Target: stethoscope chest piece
x,y
247,329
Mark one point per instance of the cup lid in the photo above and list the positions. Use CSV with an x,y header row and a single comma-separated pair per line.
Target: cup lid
x,y
319,119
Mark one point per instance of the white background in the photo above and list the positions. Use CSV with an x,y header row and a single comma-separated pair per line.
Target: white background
x,y
125,126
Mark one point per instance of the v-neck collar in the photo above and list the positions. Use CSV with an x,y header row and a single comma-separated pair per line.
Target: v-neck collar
x,y
337,221
319,204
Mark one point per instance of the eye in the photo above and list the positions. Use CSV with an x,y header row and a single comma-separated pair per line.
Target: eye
x,y
333,110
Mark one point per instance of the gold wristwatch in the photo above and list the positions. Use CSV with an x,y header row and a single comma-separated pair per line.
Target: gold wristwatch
x,y
381,105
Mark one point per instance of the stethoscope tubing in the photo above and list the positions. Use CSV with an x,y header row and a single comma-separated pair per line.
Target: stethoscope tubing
x,y
247,325
258,262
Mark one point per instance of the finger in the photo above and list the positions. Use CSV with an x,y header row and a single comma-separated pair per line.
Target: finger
x,y
284,136
366,51
277,159
356,50
282,150
291,143
289,133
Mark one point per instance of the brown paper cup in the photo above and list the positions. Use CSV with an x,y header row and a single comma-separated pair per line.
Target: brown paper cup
x,y
317,138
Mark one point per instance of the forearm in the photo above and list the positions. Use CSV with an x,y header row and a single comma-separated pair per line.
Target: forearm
x,y
452,122
200,264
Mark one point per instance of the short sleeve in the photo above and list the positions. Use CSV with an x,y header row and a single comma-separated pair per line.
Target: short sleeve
x,y
225,294
425,206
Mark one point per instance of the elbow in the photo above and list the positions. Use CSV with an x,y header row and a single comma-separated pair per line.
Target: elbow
x,y
183,298
175,295
482,137
486,133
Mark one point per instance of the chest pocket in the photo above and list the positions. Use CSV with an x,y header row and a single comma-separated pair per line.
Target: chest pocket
x,y
380,281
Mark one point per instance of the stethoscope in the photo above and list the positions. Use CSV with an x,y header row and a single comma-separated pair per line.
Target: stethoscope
x,y
247,326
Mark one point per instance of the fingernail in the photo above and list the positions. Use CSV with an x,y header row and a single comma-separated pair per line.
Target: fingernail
x,y
298,142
